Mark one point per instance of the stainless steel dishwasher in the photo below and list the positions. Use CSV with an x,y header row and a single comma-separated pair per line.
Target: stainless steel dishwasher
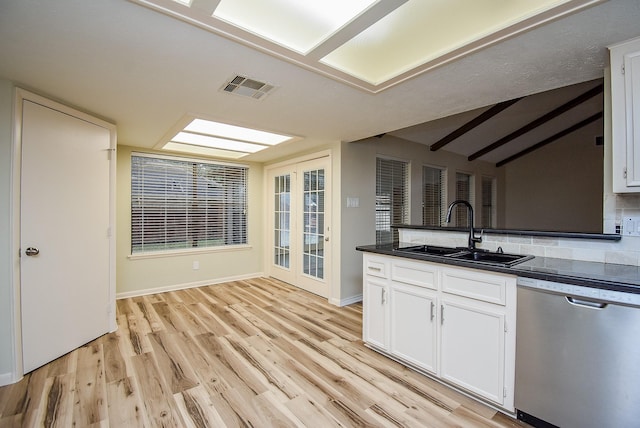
x,y
577,356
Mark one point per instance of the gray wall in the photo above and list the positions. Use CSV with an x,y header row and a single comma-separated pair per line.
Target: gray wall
x,y
558,187
6,320
358,180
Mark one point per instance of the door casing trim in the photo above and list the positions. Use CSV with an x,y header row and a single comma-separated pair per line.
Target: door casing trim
x,y
20,95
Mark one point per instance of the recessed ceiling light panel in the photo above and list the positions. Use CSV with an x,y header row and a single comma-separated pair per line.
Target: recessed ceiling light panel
x,y
416,33
299,25
370,44
216,142
218,139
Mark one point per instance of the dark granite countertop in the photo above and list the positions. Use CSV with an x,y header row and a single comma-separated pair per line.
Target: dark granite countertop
x,y
607,276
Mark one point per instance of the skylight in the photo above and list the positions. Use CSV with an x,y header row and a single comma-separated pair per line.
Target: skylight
x,y
419,32
370,44
205,137
297,25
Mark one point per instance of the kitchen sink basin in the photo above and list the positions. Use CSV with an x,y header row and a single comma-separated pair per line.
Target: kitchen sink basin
x,y
431,250
500,259
479,256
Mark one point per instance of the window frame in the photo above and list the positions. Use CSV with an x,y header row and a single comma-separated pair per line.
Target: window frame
x,y
443,194
383,235
460,212
494,202
243,227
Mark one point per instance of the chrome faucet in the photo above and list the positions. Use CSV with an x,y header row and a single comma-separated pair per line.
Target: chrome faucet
x,y
472,237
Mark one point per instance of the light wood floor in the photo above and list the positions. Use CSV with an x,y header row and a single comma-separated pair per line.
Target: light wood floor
x,y
255,353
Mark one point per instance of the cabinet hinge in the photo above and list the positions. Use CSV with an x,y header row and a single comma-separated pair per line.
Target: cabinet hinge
x,y
624,172
506,328
622,69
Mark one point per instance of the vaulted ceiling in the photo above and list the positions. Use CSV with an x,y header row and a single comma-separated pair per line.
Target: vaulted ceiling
x,y
146,71
500,134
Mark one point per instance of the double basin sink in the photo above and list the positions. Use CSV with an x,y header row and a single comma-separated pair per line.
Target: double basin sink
x,y
475,255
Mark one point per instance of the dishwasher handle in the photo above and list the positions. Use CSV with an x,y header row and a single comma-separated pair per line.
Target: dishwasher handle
x,y
586,303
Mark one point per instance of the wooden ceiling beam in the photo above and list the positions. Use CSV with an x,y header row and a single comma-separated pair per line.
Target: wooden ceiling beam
x,y
551,139
486,115
539,121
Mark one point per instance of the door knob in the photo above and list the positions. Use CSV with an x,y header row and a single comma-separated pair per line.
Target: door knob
x,y
32,251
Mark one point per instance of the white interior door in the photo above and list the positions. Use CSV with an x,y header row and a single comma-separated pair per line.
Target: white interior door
x,y
64,233
301,246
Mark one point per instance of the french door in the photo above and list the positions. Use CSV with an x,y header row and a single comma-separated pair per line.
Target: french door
x,y
300,218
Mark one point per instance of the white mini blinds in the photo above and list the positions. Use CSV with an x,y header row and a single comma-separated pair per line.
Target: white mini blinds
x,y
186,204
392,198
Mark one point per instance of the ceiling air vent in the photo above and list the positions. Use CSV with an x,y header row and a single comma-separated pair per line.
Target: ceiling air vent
x,y
241,85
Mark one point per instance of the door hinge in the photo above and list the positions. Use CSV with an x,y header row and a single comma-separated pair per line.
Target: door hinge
x,y
506,328
504,392
622,69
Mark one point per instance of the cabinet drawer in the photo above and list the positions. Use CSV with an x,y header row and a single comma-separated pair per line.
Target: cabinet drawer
x,y
420,274
376,267
475,284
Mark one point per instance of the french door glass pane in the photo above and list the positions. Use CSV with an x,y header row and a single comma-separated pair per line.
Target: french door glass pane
x,y
313,220
282,215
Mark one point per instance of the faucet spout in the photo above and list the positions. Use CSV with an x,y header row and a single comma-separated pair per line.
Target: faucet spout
x,y
472,237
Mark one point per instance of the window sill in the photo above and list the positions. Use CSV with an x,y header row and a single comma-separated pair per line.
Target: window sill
x,y
188,252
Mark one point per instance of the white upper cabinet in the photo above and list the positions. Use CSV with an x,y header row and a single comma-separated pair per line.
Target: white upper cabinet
x,y
625,115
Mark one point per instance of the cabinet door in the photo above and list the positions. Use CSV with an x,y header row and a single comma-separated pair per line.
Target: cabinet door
x,y
632,92
413,325
472,348
374,301
625,109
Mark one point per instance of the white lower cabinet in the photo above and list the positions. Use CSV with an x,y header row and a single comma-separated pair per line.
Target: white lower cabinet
x,y
374,301
412,326
472,349
374,326
455,324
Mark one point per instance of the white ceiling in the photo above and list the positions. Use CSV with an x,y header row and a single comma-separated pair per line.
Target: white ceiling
x,y
145,71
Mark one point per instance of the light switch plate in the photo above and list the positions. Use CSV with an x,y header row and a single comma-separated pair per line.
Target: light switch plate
x,y
631,226
353,202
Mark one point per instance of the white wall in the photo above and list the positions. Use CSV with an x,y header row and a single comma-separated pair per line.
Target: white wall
x,y
6,286
358,180
144,275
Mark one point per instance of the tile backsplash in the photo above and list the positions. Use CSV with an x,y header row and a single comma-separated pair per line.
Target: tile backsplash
x,y
616,206
625,252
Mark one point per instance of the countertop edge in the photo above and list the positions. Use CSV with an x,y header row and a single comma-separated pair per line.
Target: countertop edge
x,y
522,270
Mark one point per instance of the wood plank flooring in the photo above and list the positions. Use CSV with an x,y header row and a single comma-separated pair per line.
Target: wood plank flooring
x,y
254,353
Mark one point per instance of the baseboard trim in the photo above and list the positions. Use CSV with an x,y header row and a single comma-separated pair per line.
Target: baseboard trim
x,y
347,301
145,292
8,379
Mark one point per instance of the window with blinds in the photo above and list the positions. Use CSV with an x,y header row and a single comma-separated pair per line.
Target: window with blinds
x,y
464,191
392,198
185,204
434,208
488,213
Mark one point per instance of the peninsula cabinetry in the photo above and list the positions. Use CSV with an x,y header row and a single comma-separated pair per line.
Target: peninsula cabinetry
x,y
454,324
625,115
